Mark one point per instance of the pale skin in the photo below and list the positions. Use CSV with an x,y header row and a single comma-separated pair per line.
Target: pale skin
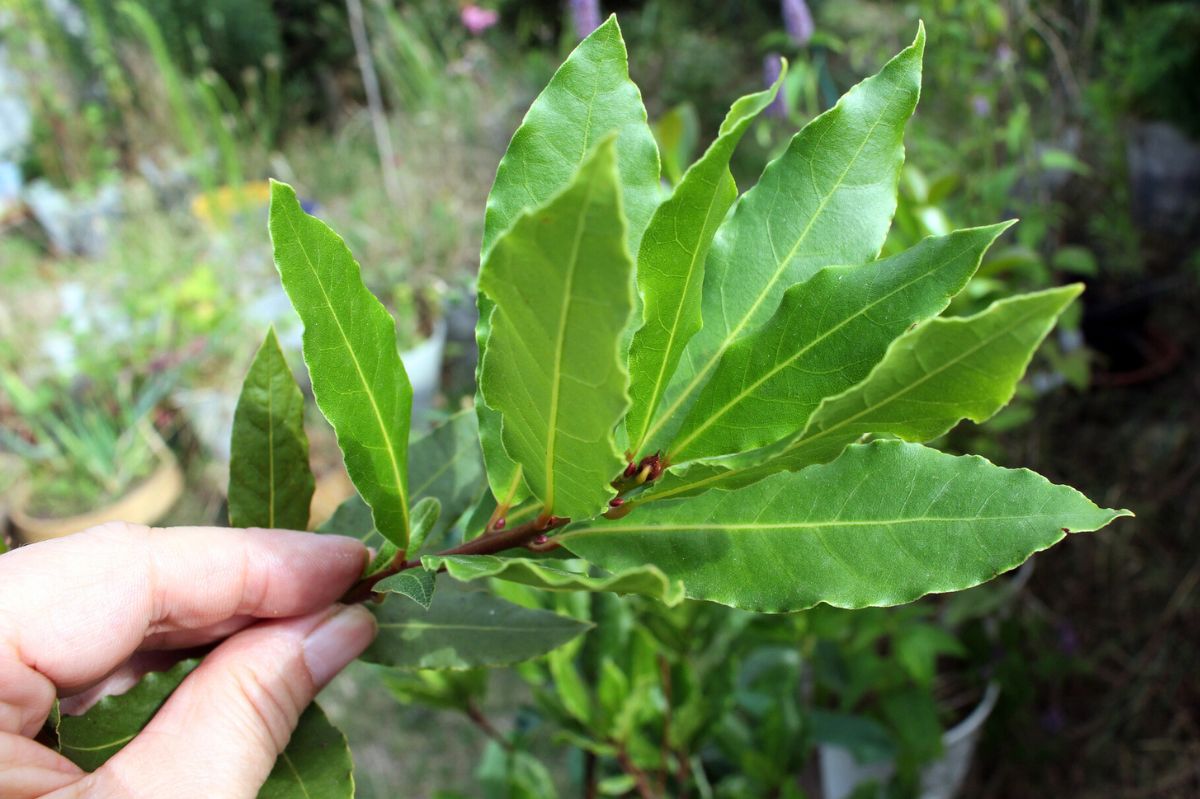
x,y
84,615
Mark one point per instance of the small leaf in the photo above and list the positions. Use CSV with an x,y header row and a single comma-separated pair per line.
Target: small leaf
x,y
827,334
974,365
90,740
670,264
416,584
644,580
464,629
270,482
316,763
424,517
589,97
350,347
829,199
553,368
885,523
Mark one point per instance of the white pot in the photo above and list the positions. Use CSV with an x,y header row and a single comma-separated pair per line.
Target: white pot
x,y
940,779
424,366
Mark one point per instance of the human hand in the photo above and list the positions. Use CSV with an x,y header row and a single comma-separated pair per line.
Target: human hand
x,y
79,616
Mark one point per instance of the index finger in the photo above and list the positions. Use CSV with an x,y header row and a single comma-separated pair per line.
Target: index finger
x,y
74,609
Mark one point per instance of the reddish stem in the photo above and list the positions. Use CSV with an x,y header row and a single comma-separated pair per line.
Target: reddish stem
x,y
490,544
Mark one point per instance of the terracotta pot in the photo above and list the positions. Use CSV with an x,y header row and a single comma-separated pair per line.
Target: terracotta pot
x,y
145,503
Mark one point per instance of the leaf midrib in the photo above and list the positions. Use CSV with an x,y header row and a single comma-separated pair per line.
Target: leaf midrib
x,y
270,448
560,344
787,362
417,625
762,527
659,381
804,440
295,773
361,375
780,268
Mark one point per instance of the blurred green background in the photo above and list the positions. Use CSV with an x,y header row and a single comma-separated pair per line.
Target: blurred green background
x,y
136,138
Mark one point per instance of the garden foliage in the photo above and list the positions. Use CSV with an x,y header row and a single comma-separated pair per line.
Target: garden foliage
x,y
691,393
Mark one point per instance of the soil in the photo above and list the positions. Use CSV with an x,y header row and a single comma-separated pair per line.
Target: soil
x,y
1112,619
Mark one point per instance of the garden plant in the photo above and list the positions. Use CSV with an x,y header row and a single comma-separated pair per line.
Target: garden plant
x,y
694,394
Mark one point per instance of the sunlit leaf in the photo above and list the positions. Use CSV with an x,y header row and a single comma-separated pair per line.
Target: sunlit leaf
x,y
350,347
883,524
670,264
560,278
827,200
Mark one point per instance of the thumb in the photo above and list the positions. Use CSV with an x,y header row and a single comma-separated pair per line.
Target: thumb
x,y
220,732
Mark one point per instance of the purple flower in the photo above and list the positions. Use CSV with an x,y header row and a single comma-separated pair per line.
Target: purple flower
x,y
477,20
772,66
586,16
981,106
798,21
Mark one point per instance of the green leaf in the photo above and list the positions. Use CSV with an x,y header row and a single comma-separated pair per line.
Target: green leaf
x,y
827,200
866,739
446,463
947,370
569,685
827,334
424,517
553,368
270,482
644,580
350,347
90,740
974,364
670,264
416,584
918,647
464,629
316,762
883,524
315,765
589,97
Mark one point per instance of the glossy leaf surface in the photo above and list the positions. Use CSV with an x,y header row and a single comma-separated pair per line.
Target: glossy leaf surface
x,y
463,629
931,378
885,523
827,200
270,481
350,347
670,263
645,580
553,368
589,97
826,336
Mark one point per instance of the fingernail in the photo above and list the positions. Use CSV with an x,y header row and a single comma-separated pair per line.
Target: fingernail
x,y
337,641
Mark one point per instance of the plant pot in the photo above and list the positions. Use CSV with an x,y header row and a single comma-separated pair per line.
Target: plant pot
x,y
209,413
424,366
144,503
841,774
